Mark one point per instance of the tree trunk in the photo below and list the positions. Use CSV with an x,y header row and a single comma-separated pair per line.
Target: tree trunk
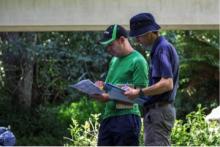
x,y
24,90
18,66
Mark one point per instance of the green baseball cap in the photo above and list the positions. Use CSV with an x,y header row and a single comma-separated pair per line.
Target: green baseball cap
x,y
112,33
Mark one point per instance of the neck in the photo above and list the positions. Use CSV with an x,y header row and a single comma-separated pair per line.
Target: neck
x,y
154,37
128,49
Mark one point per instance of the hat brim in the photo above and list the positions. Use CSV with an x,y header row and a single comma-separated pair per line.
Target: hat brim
x,y
144,30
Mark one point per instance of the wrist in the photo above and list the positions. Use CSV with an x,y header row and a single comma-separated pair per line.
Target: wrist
x,y
105,98
141,93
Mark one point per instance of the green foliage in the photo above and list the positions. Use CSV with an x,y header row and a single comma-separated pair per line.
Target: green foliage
x,y
59,59
65,58
85,134
141,138
199,69
45,125
62,58
37,127
81,110
195,131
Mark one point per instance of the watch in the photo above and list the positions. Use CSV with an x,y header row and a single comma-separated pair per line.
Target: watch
x,y
141,93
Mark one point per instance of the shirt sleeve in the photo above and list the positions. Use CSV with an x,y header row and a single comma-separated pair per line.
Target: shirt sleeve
x,y
165,64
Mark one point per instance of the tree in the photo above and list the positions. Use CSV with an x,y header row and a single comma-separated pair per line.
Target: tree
x,y
18,66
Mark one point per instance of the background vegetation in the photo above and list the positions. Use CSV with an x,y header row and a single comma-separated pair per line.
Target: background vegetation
x,y
183,134
36,70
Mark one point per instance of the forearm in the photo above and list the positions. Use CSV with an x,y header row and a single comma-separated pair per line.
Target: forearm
x,y
160,87
164,85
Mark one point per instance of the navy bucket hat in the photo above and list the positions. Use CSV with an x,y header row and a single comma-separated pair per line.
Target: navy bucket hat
x,y
142,23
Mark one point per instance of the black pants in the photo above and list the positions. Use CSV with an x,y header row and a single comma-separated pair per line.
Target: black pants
x,y
120,131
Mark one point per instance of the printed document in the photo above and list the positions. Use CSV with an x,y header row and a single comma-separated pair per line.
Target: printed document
x,y
115,93
87,87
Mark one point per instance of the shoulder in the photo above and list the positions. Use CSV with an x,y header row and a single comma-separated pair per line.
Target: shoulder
x,y
137,55
165,49
165,46
139,59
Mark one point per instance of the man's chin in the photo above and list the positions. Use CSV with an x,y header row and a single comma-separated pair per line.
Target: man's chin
x,y
147,47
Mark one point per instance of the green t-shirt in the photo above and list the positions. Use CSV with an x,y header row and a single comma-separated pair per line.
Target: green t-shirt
x,y
131,69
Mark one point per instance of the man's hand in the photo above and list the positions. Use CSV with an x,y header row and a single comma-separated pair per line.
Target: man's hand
x,y
101,97
100,84
131,93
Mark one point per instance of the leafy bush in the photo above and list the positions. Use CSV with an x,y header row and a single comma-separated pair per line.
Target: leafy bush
x,y
45,125
41,126
80,110
85,134
199,69
56,59
195,131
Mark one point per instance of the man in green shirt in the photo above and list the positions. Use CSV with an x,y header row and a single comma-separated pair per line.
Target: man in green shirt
x,y
121,122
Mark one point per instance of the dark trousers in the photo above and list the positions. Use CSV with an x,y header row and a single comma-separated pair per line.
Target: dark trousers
x,y
120,131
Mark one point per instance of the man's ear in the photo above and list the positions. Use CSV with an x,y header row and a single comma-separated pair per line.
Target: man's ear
x,y
122,39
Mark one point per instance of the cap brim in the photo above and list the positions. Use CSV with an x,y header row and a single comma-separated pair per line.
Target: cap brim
x,y
105,41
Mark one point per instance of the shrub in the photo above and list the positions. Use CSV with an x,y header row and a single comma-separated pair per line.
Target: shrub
x,y
195,131
80,110
85,134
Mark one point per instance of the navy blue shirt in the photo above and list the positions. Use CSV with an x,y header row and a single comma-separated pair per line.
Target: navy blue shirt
x,y
164,63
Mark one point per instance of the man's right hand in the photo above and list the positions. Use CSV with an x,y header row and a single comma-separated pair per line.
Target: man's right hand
x,y
131,93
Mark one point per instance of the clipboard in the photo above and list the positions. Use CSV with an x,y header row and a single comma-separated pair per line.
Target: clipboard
x,y
88,87
117,93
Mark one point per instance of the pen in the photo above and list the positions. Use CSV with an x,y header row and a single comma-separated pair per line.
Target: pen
x,y
125,87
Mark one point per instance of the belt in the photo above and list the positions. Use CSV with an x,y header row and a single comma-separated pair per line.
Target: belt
x,y
156,105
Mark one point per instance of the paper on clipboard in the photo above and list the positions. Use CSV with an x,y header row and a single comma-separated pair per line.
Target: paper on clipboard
x,y
117,93
88,87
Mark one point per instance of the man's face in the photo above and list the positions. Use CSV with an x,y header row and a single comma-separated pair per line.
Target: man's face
x,y
115,48
145,40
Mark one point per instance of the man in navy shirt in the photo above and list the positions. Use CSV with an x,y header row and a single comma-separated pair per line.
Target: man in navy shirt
x,y
159,111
